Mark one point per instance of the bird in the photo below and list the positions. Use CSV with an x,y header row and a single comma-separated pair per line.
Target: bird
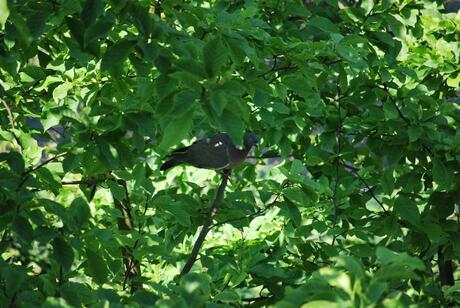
x,y
216,152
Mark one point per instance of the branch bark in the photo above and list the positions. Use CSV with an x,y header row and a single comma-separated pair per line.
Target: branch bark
x,y
26,173
206,225
125,223
446,272
13,124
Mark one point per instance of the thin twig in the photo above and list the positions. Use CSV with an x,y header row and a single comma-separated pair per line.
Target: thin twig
x,y
132,268
337,176
206,225
401,114
133,263
44,163
253,299
13,124
25,174
10,114
369,189
4,236
87,182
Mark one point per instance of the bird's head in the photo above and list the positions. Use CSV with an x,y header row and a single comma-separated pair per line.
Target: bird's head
x,y
250,140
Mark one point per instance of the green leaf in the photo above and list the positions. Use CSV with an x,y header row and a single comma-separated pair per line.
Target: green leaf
x,y
454,81
320,304
324,24
118,191
62,253
176,131
55,302
81,211
61,90
51,120
183,102
294,213
388,182
177,209
386,256
414,133
443,203
296,196
109,154
12,279
117,54
227,296
97,266
14,160
4,12
91,10
441,175
57,209
352,264
77,294
97,31
434,232
407,210
71,161
297,168
376,290
145,298
215,55
23,228
218,101
390,110
234,126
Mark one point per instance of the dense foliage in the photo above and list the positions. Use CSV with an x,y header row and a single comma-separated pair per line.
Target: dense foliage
x,y
350,201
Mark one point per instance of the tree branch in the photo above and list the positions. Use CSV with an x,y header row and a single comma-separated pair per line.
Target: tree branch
x,y
27,172
401,114
337,175
125,223
206,225
13,124
369,189
44,163
87,182
446,270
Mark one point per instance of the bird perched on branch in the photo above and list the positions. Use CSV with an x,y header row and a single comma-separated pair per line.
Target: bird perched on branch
x,y
216,152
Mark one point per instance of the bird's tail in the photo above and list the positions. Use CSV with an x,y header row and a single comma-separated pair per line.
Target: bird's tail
x,y
170,163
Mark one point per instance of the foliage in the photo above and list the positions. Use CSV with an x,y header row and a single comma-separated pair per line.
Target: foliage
x,y
351,200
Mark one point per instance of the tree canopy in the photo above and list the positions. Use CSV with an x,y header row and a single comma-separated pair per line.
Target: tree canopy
x,y
351,199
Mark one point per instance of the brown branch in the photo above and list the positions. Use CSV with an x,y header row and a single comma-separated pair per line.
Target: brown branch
x,y
13,124
446,272
125,223
87,182
44,163
25,174
207,224
134,264
10,114
369,189
401,114
3,240
337,175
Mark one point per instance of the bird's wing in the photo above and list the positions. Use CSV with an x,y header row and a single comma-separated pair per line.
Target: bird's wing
x,y
209,153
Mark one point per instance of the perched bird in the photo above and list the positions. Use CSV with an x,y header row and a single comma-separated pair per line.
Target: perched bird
x,y
216,152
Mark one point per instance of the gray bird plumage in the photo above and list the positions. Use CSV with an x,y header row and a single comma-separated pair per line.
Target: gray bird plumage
x,y
216,152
